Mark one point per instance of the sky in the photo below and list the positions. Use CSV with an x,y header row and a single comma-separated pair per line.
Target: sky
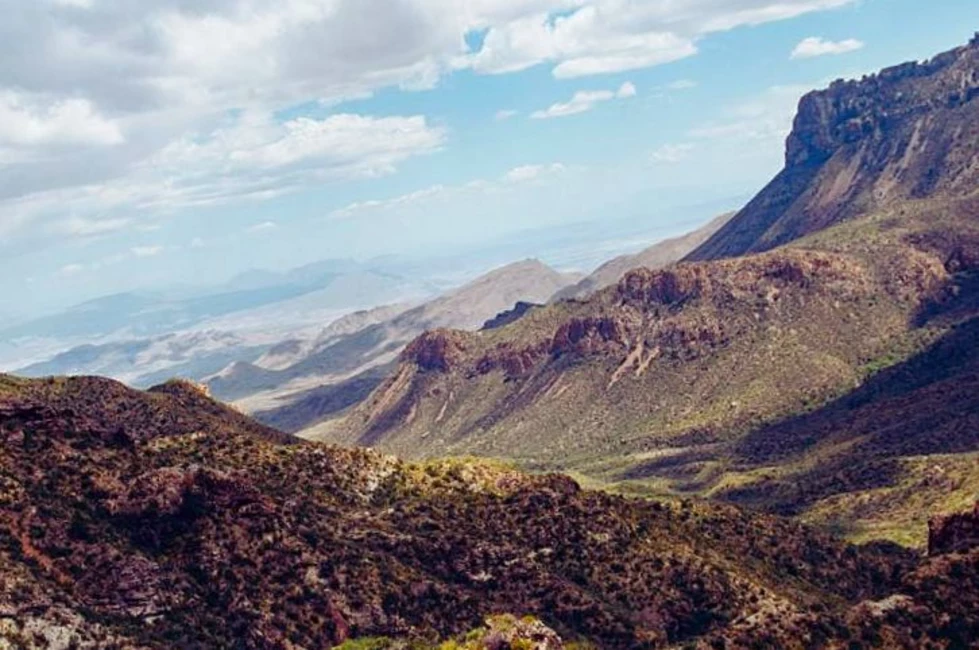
x,y
165,142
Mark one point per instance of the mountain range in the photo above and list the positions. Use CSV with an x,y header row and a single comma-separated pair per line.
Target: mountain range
x,y
298,383
656,256
686,380
259,308
771,443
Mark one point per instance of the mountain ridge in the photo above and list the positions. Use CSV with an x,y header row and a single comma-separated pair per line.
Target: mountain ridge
x,y
656,256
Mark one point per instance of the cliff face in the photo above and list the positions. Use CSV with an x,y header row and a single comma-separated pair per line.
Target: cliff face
x,y
908,132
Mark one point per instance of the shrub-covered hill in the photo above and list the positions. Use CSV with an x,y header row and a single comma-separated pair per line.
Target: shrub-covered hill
x,y
164,520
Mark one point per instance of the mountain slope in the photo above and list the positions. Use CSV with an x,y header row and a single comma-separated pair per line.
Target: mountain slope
x,y
864,146
655,257
162,519
339,355
655,385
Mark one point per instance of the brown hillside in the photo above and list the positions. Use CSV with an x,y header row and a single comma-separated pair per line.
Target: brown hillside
x,y
163,520
655,257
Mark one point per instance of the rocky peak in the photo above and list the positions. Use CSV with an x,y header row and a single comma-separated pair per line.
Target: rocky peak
x,y
862,145
849,111
666,287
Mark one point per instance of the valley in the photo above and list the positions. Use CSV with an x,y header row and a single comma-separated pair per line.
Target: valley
x,y
761,433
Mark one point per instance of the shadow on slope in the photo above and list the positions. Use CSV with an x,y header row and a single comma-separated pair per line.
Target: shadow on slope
x,y
925,406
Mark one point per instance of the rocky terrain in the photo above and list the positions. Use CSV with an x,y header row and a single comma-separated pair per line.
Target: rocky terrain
x,y
792,379
163,519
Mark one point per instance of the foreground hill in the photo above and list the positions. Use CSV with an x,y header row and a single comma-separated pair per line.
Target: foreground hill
x,y
656,256
340,366
164,520
687,379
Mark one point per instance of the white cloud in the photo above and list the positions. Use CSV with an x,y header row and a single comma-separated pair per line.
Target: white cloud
x,y
146,251
526,173
344,144
768,118
583,101
671,153
265,226
83,227
505,114
605,36
197,242
26,121
71,269
520,175
815,46
124,94
626,90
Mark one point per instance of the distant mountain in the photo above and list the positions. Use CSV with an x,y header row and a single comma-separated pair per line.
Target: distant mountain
x,y
141,338
343,351
144,362
864,146
138,315
656,256
165,520
831,377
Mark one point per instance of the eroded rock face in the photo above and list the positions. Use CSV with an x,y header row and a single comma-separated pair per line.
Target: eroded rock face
x,y
742,279
957,533
437,351
585,336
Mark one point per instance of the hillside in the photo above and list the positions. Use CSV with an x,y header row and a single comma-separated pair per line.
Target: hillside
x,y
162,519
659,384
342,353
655,257
866,146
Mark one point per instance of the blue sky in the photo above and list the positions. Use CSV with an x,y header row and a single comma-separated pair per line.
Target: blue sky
x,y
183,142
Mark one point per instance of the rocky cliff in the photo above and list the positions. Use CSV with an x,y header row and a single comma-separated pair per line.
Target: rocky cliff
x,y
859,146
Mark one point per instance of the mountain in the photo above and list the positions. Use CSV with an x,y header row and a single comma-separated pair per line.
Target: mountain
x,y
343,352
163,519
864,146
656,256
776,379
144,339
272,301
144,362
